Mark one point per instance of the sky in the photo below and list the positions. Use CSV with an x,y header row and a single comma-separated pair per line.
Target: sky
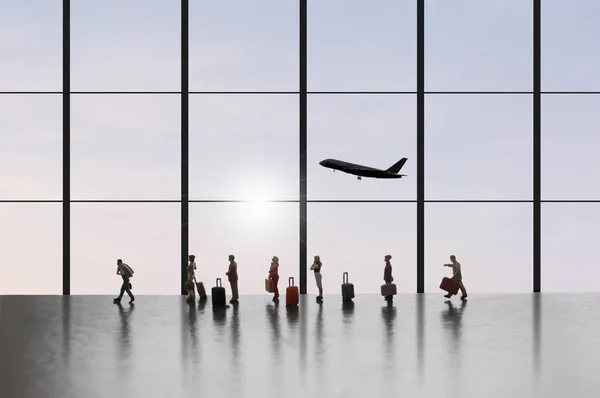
x,y
245,146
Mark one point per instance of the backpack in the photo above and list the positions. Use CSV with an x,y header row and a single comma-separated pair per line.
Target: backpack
x,y
128,269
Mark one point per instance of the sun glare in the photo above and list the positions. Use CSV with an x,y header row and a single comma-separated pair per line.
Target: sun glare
x,y
256,209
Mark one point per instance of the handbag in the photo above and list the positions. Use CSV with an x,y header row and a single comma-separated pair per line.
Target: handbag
x,y
130,286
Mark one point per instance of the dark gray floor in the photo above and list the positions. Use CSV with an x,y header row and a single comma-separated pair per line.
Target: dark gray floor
x,y
493,346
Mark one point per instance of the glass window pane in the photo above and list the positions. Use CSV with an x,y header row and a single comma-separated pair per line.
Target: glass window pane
x,y
239,45
355,237
244,147
479,45
253,233
492,241
370,130
478,147
125,147
570,141
570,45
358,45
132,45
569,242
31,259
146,236
31,147
31,45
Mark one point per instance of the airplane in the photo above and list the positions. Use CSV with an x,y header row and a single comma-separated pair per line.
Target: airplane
x,y
364,171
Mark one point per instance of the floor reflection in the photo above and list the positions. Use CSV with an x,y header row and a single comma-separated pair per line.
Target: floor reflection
x,y
54,346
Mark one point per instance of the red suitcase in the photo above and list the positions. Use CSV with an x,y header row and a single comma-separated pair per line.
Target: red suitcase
x,y
450,285
291,293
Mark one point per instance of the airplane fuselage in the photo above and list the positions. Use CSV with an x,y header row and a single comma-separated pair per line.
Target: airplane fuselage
x,y
357,169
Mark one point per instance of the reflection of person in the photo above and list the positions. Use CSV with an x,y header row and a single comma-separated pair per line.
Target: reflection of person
x,y
233,278
126,273
274,276
457,276
191,276
318,278
387,273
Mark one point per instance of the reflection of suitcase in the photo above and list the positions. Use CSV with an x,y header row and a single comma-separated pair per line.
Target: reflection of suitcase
x,y
389,289
347,288
218,295
450,285
269,286
201,290
291,293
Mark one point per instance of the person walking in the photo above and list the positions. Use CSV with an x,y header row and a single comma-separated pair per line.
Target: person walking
x,y
274,276
126,273
233,279
457,276
316,267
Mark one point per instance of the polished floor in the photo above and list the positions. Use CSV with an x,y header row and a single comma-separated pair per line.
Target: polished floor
x,y
525,345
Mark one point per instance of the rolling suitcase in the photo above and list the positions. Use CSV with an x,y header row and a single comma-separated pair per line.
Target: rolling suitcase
x,y
269,286
450,285
347,288
201,290
388,289
218,295
291,293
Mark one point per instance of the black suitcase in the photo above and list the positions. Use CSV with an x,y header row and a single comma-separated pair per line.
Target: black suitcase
x,y
218,295
347,288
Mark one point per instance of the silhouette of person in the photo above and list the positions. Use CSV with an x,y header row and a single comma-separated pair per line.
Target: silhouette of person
x,y
316,267
126,273
387,273
457,276
233,279
274,276
191,275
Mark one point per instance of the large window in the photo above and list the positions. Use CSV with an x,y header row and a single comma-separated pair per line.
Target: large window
x,y
570,140
125,147
371,130
359,45
239,45
201,130
244,147
569,233
30,147
31,45
355,237
492,241
144,235
570,46
253,232
132,45
478,45
31,255
478,147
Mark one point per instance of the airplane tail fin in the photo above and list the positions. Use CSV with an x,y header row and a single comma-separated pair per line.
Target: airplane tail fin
x,y
397,166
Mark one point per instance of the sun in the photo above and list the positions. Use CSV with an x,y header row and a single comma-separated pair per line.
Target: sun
x,y
256,208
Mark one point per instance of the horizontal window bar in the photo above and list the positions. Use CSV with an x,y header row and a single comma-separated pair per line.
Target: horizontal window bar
x,y
298,201
310,92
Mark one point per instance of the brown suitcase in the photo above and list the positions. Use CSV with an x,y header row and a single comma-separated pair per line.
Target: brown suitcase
x,y
201,290
388,289
269,286
450,285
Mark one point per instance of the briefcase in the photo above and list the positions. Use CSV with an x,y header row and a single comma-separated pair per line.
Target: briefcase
x,y
347,288
388,289
450,285
291,293
218,295
269,286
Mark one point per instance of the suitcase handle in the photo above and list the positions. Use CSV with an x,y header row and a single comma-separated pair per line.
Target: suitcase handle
x,y
218,283
291,281
345,277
